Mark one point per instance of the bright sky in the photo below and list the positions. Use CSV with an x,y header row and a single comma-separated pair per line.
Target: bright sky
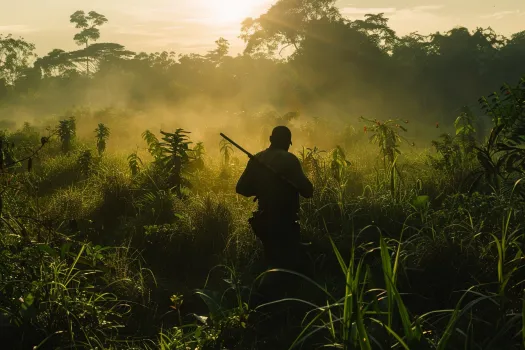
x,y
193,25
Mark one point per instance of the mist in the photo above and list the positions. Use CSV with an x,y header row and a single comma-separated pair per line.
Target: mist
x,y
340,71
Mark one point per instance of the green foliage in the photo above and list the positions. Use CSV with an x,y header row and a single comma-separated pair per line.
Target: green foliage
x,y
450,154
198,156
85,162
506,110
501,159
465,131
89,31
339,163
153,145
102,135
156,206
440,268
464,64
310,159
456,154
227,321
134,163
386,135
66,132
285,23
226,149
457,241
172,155
55,63
18,147
88,24
217,56
7,157
49,299
15,56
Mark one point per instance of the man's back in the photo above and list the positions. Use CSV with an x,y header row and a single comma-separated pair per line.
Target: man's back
x,y
276,197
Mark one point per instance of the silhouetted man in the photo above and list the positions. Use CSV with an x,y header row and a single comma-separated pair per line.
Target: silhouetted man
x,y
276,221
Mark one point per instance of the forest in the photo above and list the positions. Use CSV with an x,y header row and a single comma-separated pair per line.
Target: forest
x,y
120,226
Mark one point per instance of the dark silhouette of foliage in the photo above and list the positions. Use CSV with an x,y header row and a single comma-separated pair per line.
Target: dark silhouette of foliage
x,y
134,163
15,55
102,135
359,67
198,156
55,63
89,32
502,157
285,23
7,157
339,163
172,154
306,66
67,131
450,154
226,149
85,162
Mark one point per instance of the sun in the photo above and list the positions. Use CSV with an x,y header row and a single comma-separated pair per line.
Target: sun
x,y
229,11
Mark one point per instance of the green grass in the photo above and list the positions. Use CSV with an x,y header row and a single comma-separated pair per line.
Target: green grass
x,y
401,258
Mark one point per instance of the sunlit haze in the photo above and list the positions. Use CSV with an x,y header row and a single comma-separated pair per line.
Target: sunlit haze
x,y
262,174
229,11
193,25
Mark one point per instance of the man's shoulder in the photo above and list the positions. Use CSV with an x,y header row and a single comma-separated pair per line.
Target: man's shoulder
x,y
290,156
280,154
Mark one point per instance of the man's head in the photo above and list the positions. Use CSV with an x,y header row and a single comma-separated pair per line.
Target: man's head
x,y
281,138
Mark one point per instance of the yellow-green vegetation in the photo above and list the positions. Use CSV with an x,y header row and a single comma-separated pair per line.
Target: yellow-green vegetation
x,y
411,248
119,223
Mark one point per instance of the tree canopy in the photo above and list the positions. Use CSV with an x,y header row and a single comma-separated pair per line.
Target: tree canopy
x,y
359,67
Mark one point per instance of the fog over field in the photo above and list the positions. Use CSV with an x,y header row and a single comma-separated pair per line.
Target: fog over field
x,y
126,220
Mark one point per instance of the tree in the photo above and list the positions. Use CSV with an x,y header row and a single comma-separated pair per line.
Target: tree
x,y
284,24
512,57
377,29
55,63
101,52
340,61
217,55
162,61
15,55
88,23
3,88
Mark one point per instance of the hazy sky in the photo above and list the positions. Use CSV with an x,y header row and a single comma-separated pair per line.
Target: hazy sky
x,y
193,25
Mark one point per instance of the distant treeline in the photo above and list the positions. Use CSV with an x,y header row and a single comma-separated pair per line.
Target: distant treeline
x,y
300,55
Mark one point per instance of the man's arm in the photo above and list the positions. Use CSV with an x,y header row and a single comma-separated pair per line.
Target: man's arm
x,y
299,179
245,185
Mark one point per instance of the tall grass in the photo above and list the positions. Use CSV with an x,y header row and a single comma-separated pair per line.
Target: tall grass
x,y
400,257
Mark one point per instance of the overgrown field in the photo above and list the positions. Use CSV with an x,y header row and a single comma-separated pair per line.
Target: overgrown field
x,y
413,246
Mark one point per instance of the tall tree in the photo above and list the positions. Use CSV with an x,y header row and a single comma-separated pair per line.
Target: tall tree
x,y
15,55
284,24
217,55
55,63
377,29
89,24
99,52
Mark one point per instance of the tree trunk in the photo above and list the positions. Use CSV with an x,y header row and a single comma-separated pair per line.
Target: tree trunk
x,y
87,60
